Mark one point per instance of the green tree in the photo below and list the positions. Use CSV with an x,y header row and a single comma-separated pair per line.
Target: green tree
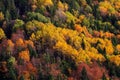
x,y
18,24
37,16
84,75
104,77
7,16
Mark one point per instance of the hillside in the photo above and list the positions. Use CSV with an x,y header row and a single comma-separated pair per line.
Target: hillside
x,y
59,39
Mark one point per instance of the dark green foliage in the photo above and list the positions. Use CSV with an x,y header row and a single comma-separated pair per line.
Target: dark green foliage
x,y
114,41
9,4
52,10
112,68
3,55
3,77
32,77
32,51
47,57
88,9
67,64
117,25
89,2
22,78
104,77
75,5
41,76
22,5
45,77
83,44
59,77
84,74
71,25
11,12
12,74
64,67
2,6
102,51
7,16
86,22
15,14
49,77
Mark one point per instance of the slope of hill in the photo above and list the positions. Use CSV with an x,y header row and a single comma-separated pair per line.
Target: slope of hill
x,y
59,39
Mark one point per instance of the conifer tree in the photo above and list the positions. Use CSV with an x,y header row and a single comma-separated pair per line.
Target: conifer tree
x,y
104,77
84,75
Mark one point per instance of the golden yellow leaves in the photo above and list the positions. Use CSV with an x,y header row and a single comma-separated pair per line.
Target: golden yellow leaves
x,y
106,45
32,37
44,3
95,55
48,2
115,59
79,55
106,8
81,18
71,43
118,47
39,4
62,6
1,16
103,10
117,5
66,49
2,34
83,56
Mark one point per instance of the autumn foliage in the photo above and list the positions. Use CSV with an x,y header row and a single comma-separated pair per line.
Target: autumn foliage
x,y
59,39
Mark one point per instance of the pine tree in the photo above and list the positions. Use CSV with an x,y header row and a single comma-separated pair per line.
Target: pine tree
x,y
104,77
12,74
84,74
12,4
7,16
83,44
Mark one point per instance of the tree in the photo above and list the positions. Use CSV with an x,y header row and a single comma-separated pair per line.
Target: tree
x,y
18,24
2,34
84,75
104,77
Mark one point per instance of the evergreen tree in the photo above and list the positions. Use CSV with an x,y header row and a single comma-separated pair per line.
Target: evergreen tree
x,y
104,77
84,74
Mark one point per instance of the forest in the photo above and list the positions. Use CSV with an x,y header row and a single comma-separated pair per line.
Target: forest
x,y
59,39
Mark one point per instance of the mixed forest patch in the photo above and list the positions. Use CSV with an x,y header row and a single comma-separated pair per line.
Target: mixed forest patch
x,y
59,39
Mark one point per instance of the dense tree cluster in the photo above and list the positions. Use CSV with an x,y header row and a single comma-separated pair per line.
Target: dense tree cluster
x,y
59,39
